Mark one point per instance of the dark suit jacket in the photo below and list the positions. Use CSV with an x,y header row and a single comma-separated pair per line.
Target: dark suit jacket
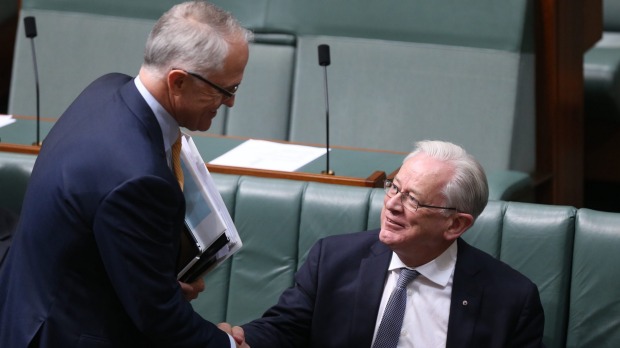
x,y
93,259
8,222
337,291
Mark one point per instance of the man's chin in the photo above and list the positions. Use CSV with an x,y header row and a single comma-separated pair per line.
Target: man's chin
x,y
388,236
203,128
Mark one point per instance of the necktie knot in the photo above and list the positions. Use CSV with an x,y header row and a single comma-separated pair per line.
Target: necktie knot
x,y
406,276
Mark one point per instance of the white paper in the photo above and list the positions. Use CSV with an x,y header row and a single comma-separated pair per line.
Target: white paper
x,y
6,120
261,154
206,213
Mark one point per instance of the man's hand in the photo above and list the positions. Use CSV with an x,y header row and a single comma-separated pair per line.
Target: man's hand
x,y
236,332
191,290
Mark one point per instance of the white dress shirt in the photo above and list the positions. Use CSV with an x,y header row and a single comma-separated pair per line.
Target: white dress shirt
x,y
169,126
425,323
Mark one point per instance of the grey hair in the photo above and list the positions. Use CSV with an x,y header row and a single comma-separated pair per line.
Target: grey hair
x,y
193,35
468,190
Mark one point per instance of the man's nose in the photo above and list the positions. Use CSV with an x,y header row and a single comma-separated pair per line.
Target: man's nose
x,y
229,101
393,202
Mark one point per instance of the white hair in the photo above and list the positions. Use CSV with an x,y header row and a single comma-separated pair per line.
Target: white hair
x,y
194,36
468,190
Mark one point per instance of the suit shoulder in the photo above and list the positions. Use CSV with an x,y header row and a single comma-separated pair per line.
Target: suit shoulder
x,y
474,258
355,238
349,244
113,79
98,92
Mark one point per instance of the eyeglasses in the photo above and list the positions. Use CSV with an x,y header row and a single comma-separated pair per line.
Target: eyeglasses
x,y
227,93
408,201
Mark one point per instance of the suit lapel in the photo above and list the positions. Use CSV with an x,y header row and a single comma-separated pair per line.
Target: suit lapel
x,y
466,298
371,279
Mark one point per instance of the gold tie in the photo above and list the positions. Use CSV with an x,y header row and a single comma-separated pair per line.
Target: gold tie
x,y
176,161
185,245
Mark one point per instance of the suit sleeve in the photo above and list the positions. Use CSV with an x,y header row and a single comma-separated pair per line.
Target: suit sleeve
x,y
136,233
530,326
288,323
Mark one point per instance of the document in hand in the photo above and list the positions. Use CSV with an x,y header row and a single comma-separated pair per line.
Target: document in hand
x,y
210,236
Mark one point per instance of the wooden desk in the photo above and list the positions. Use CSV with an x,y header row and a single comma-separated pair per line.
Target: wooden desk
x,y
353,167
349,164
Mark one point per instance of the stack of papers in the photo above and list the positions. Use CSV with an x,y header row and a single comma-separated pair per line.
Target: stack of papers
x,y
261,154
6,120
210,235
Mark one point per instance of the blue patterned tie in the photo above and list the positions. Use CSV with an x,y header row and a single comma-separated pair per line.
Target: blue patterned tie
x,y
392,321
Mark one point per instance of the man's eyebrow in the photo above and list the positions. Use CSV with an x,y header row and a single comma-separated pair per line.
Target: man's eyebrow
x,y
413,192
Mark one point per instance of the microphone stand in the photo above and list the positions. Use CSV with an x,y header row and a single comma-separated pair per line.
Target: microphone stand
x,y
324,61
36,78
31,31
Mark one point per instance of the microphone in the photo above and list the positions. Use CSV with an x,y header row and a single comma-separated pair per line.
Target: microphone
x,y
324,61
324,55
30,28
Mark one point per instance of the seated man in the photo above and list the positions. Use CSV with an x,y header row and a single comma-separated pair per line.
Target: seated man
x,y
414,282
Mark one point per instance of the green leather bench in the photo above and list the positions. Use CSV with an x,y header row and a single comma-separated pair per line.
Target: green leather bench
x,y
15,172
400,72
594,315
572,255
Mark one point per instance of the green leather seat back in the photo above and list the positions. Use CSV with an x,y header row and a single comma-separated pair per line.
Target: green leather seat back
x,y
389,94
375,207
611,15
594,318
486,233
263,102
478,23
325,212
536,240
265,214
72,50
15,172
213,306
601,69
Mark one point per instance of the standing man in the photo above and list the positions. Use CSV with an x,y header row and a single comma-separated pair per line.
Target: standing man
x,y
93,261
450,294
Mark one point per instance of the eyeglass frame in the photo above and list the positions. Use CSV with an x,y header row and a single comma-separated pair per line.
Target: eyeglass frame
x,y
226,93
389,184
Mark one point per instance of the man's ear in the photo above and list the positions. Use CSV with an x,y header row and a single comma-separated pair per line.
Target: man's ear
x,y
459,223
177,80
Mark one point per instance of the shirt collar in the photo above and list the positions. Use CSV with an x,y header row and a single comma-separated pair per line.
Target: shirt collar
x,y
438,270
169,126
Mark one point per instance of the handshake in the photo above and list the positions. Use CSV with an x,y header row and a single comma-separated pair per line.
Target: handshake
x,y
191,292
236,332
